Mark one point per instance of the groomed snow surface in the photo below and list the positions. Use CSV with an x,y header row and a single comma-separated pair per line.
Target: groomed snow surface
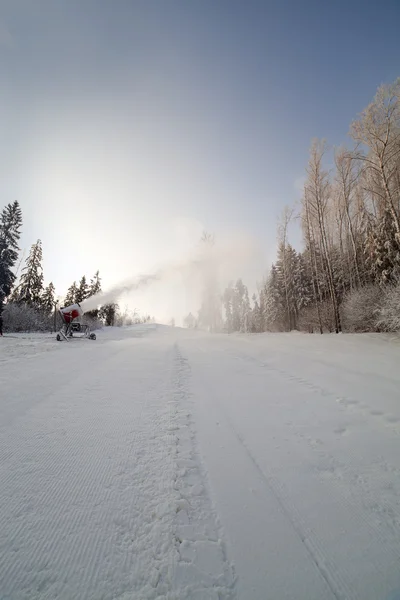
x,y
159,463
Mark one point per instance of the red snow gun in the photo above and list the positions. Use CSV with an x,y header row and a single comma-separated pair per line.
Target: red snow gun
x,y
71,316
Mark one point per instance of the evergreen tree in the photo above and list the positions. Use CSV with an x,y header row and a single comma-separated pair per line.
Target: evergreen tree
x,y
94,288
30,288
286,267
261,320
237,306
238,313
95,285
71,296
383,255
302,283
227,300
10,225
48,298
256,320
245,314
274,308
82,291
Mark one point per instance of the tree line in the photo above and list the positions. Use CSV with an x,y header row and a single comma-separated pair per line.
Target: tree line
x,y
27,304
347,275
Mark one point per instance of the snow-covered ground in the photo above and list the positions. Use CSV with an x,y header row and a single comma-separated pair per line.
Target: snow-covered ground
x,y
162,463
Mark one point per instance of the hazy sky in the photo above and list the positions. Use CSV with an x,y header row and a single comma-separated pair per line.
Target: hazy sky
x,y
128,126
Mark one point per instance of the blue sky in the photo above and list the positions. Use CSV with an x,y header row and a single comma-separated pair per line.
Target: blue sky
x,y
128,126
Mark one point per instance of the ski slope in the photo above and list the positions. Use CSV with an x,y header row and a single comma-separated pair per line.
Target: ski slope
x,y
159,463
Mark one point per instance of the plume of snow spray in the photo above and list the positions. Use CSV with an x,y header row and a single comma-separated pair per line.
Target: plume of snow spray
x,y
219,262
118,290
140,281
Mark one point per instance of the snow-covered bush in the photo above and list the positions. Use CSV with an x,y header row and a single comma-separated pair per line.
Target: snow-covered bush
x,y
19,317
362,308
388,317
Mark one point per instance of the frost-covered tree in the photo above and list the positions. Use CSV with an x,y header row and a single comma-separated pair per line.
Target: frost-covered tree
x,y
93,289
10,231
274,307
83,290
48,298
377,134
71,297
95,285
245,313
257,317
318,199
286,267
261,326
30,288
302,283
238,313
227,300
382,250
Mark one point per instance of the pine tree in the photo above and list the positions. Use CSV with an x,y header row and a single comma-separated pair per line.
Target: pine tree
x,y
227,300
245,316
302,283
274,308
10,224
48,298
30,288
383,255
256,321
286,268
95,285
261,320
238,311
83,290
94,288
71,296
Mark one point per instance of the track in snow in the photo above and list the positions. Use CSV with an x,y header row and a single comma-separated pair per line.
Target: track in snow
x,y
142,465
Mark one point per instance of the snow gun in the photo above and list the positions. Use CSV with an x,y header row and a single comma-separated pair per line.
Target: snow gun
x,y
71,316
